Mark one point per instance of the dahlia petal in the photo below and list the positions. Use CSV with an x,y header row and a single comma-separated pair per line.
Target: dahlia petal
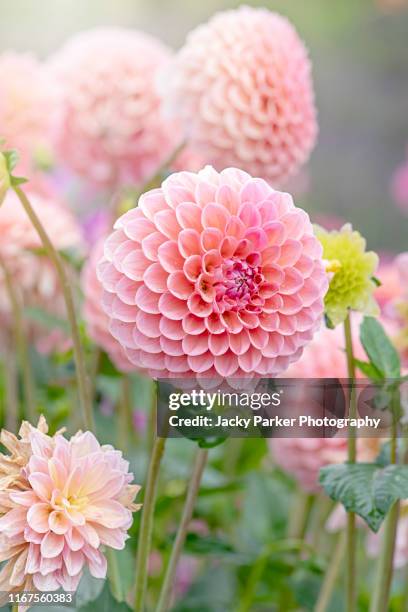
x,y
151,245
176,365
269,321
193,324
290,252
174,348
122,311
58,522
291,304
211,260
167,224
170,257
211,239
195,345
138,229
189,243
214,324
192,267
45,583
155,278
274,346
41,484
23,498
197,306
52,545
271,255
249,360
49,566
228,198
115,538
152,202
74,539
200,363
255,190
135,264
171,329
179,285
249,215
231,322
149,323
89,533
33,559
38,517
172,307
141,341
219,343
258,337
204,193
74,560
96,562
189,216
226,364
215,216
228,247
147,300
275,233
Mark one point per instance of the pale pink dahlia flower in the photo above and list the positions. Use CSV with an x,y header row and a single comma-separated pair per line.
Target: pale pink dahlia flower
x,y
242,88
26,103
109,127
60,501
33,273
213,274
96,319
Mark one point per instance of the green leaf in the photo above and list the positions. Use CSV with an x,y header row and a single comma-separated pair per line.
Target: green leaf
x,y
379,348
207,545
369,369
376,281
12,158
367,489
329,323
105,603
18,180
45,318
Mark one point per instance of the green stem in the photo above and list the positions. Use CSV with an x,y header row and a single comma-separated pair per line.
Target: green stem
x,y
146,525
331,576
254,577
114,574
192,493
351,457
125,416
300,514
10,375
385,565
21,342
83,386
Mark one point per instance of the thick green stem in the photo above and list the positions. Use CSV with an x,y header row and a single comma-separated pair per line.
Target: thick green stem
x,y
146,525
351,456
385,565
301,508
21,342
83,383
331,576
192,493
124,413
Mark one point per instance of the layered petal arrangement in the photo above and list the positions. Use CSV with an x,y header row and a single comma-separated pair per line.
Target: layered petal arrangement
x,y
26,101
96,319
60,501
34,275
213,274
109,127
241,87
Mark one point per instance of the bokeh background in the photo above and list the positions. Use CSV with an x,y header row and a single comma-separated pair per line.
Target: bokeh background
x,y
360,57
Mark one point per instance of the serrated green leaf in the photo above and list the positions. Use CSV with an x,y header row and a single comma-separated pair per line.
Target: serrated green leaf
x,y
367,489
379,349
369,370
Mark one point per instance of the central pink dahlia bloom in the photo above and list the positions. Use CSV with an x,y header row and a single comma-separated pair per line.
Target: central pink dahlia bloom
x,y
242,88
213,274
60,501
109,127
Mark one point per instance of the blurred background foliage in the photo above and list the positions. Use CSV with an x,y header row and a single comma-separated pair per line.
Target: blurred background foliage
x,y
360,60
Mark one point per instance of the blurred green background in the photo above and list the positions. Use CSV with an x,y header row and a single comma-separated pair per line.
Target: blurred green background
x,y
360,57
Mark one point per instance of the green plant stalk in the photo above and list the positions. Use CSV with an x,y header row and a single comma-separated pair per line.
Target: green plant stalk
x,y
351,595
10,376
82,381
192,493
146,525
125,413
114,574
331,576
301,508
385,565
21,342
255,576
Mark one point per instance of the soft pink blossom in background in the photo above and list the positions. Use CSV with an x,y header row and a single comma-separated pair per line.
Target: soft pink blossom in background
x,y
242,88
213,275
60,501
109,127
96,319
33,273
399,186
27,98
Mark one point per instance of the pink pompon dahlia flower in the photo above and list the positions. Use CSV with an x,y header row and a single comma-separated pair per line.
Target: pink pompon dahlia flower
x,y
96,319
213,274
60,501
26,102
241,86
33,274
109,127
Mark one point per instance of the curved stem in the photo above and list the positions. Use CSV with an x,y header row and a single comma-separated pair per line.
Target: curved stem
x,y
83,387
12,408
351,456
21,342
331,576
192,493
114,574
146,525
385,566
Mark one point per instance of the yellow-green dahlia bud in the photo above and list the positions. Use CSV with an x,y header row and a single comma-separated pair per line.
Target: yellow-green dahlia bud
x,y
351,271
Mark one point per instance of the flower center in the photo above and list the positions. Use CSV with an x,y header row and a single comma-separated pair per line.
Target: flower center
x,y
237,283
